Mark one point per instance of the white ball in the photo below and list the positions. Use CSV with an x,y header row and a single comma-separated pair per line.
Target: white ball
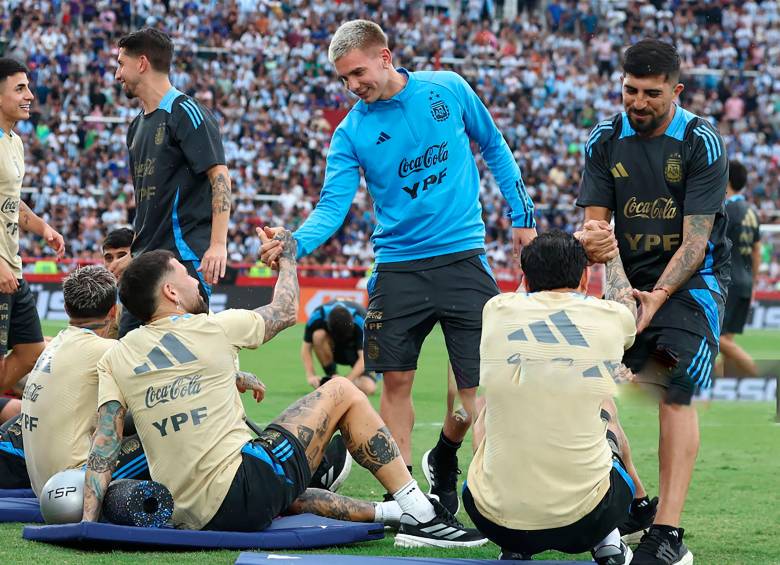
x,y
62,497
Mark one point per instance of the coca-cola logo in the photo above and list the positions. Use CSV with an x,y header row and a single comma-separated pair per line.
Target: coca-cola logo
x,y
181,387
10,206
31,392
434,154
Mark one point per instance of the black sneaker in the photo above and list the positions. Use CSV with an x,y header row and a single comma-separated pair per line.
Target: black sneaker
x,y
444,530
442,482
662,548
334,467
638,521
612,555
507,555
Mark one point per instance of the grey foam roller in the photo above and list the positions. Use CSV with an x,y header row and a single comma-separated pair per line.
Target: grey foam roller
x,y
146,504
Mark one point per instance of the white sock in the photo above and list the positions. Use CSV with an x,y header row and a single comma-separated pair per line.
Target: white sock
x,y
413,502
613,538
388,513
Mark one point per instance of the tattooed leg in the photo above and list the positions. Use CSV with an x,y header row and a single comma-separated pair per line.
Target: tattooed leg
x,y
339,405
331,505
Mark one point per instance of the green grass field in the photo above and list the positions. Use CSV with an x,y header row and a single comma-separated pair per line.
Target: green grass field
x,y
733,509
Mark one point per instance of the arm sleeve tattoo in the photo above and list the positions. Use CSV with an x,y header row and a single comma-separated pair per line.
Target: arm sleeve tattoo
x,y
282,312
688,258
618,287
102,457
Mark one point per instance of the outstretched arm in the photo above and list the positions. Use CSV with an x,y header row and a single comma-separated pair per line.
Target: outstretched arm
x,y
618,287
684,263
102,459
282,312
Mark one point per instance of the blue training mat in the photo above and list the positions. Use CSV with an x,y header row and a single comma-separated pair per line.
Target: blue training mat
x,y
248,558
17,493
20,510
304,531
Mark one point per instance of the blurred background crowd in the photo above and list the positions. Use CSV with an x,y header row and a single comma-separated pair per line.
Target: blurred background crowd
x,y
548,71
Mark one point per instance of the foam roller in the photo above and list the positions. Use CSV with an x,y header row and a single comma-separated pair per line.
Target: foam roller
x,y
146,504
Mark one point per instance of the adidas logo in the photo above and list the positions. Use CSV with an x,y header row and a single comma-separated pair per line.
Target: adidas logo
x,y
382,137
619,171
543,333
443,531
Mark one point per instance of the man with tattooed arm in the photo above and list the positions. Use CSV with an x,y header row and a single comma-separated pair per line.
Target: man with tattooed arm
x,y
662,172
220,478
20,328
177,162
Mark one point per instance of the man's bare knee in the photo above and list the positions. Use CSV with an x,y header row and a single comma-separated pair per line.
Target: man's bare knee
x,y
398,382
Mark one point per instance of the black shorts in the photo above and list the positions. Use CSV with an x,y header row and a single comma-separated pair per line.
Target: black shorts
x,y
343,355
19,322
580,536
132,463
13,469
128,322
403,307
737,311
273,473
678,360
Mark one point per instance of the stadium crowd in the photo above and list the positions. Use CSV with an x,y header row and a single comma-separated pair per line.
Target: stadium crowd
x,y
548,74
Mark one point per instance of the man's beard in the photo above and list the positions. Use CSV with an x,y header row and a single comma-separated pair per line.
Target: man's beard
x,y
645,127
200,306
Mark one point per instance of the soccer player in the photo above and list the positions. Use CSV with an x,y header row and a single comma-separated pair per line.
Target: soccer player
x,y
662,172
543,474
334,331
60,399
116,245
182,186
20,328
411,134
175,374
743,231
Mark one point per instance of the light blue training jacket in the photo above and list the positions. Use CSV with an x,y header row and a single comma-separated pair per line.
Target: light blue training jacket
x,y
415,153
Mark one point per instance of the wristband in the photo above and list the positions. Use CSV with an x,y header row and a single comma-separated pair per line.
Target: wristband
x,y
668,294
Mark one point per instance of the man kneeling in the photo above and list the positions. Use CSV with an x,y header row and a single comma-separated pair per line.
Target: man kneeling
x,y
175,374
543,475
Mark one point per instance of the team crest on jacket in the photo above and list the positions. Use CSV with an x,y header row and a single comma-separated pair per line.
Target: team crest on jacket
x,y
673,169
439,109
159,134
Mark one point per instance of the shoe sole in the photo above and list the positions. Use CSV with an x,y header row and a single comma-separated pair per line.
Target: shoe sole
x,y
687,559
426,471
406,540
345,471
633,538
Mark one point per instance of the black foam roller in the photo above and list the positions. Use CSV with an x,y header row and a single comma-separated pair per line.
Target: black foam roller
x,y
146,504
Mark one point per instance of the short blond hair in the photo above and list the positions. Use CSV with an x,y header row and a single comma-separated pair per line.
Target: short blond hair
x,y
355,34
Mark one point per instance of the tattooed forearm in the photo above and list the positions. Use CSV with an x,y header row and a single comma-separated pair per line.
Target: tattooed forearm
x,y
688,258
325,503
220,193
618,287
102,457
283,310
246,380
378,451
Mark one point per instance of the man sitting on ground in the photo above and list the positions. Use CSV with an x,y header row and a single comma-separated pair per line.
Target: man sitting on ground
x,y
334,332
219,477
54,430
544,475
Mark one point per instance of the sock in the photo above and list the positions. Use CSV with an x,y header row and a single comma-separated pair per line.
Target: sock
x,y
640,503
330,370
413,502
446,450
388,495
388,512
613,538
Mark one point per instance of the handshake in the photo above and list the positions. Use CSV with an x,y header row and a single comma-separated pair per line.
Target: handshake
x,y
598,239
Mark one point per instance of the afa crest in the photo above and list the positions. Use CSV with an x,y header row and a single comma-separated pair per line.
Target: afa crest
x,y
159,135
673,169
439,109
